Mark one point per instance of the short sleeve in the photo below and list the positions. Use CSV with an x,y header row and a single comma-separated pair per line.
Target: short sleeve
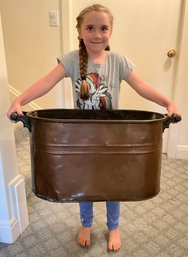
x,y
70,62
125,66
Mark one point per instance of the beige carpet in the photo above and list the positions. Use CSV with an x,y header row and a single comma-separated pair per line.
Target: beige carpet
x,y
152,228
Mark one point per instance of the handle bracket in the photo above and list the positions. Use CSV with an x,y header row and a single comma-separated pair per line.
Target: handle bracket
x,y
171,119
23,118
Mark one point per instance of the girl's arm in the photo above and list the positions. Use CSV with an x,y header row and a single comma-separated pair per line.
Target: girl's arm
x,y
38,89
148,92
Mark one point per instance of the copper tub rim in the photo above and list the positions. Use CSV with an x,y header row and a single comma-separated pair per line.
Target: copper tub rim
x,y
155,116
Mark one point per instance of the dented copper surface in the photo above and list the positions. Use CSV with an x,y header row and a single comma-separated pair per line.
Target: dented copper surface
x,y
95,155
92,155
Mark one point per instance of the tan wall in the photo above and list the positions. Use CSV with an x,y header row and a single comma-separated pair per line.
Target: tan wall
x,y
31,45
31,48
178,139
13,214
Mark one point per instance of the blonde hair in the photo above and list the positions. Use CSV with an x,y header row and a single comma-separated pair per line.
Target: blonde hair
x,y
84,89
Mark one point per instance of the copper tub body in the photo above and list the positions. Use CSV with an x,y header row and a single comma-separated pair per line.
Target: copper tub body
x,y
81,155
91,155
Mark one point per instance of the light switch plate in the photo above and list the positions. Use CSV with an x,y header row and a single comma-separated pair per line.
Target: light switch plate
x,y
54,18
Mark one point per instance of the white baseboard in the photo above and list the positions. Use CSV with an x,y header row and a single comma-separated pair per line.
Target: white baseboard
x,y
18,201
10,229
9,232
182,152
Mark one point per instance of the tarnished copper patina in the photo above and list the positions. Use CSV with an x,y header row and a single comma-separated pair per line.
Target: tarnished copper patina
x,y
86,155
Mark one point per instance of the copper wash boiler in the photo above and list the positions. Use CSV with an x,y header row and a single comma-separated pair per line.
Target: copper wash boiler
x,y
89,155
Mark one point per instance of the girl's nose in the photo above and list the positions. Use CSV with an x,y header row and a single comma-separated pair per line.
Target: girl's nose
x,y
97,34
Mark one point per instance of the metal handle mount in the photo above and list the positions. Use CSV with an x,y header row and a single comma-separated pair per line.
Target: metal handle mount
x,y
23,118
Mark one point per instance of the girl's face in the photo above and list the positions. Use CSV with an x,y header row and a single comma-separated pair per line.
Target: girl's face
x,y
95,31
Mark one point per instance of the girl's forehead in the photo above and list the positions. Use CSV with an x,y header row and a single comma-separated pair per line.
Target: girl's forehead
x,y
94,17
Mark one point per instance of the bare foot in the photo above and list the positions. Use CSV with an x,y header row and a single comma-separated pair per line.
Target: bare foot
x,y
84,237
114,241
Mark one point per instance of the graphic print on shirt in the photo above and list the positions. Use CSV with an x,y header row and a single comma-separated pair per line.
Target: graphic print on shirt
x,y
99,97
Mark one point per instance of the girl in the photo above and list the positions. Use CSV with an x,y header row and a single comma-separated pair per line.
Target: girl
x,y
96,74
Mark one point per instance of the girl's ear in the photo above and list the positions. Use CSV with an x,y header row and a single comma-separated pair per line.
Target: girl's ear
x,y
79,33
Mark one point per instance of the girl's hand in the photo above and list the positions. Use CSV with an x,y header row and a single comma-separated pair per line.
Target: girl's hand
x,y
172,109
15,107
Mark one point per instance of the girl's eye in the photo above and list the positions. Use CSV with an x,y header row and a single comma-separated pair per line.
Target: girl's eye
x,y
90,28
104,28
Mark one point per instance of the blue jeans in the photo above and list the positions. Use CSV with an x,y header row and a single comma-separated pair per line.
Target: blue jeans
x,y
113,211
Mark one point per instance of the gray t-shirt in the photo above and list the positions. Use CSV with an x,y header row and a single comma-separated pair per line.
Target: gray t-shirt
x,y
104,79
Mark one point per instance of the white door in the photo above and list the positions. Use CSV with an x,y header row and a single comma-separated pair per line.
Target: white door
x,y
145,31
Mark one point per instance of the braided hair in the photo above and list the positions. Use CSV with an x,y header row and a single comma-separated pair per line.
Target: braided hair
x,y
84,89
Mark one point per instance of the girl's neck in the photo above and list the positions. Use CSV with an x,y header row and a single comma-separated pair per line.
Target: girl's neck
x,y
97,58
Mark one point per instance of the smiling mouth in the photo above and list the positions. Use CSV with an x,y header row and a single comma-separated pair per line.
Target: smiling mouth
x,y
97,43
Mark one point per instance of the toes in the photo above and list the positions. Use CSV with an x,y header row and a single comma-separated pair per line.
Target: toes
x,y
114,247
84,237
83,242
114,241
